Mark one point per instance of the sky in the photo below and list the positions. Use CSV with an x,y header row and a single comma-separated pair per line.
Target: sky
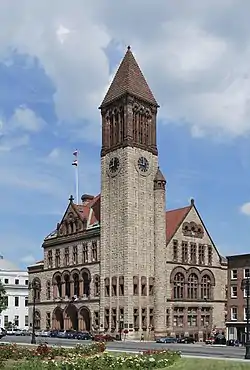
x,y
57,59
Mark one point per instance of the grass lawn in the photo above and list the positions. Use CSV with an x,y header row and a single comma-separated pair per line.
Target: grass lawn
x,y
197,363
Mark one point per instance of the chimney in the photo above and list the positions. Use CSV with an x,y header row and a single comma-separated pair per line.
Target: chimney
x,y
86,198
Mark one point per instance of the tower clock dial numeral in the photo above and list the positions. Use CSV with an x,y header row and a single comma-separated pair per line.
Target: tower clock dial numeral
x,y
143,164
114,164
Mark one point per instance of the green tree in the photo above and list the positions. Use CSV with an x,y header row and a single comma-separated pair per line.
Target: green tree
x,y
3,298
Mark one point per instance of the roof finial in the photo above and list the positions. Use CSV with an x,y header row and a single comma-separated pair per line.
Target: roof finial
x,y
192,201
71,198
129,47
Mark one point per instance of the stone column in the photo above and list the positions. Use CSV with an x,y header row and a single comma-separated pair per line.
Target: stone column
x,y
55,291
71,288
81,288
160,288
63,289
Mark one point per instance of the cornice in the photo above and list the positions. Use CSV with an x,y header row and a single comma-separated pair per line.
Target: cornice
x,y
71,238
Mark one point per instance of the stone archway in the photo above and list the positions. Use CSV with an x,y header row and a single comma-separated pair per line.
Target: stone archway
x,y
71,318
84,319
57,319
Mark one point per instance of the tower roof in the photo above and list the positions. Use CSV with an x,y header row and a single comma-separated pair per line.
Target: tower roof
x,y
129,80
159,176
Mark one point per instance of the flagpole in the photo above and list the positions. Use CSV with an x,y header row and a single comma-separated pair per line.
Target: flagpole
x,y
77,179
76,164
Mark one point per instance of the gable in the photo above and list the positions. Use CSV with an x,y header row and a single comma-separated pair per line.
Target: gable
x,y
173,219
78,218
72,222
192,229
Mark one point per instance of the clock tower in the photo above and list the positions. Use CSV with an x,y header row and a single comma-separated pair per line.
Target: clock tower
x,y
129,164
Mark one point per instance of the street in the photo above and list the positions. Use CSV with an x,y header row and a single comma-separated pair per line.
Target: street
x,y
200,350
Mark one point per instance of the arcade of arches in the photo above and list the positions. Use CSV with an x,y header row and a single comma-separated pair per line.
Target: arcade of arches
x,y
74,284
71,318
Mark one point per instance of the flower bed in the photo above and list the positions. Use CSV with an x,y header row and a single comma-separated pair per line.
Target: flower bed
x,y
85,357
43,351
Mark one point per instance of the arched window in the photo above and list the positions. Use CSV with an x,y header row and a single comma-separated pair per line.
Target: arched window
x,y
206,287
48,290
97,285
36,289
121,285
58,283
179,282
143,286
135,285
192,286
114,286
107,287
37,321
67,285
151,285
86,282
76,284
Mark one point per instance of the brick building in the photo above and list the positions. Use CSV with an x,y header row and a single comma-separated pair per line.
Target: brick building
x,y
238,269
119,259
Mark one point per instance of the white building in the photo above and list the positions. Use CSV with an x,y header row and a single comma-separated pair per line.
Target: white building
x,y
15,282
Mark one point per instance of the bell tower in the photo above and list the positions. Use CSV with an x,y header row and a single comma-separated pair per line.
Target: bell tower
x,y
129,163
129,110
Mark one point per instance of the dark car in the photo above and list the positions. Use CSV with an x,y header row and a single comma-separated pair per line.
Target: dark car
x,y
166,340
220,339
186,340
82,336
233,343
54,333
66,334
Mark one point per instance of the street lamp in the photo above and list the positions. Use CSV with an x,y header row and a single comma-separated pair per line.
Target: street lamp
x,y
34,286
245,287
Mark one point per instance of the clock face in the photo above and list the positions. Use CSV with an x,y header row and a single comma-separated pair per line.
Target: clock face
x,y
114,164
143,164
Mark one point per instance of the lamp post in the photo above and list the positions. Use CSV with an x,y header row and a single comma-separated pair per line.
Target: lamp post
x,y
34,286
245,287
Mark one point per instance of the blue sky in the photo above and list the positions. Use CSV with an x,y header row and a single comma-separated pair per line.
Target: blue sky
x,y
56,63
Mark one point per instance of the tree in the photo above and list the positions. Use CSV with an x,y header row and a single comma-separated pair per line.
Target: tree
x,y
3,298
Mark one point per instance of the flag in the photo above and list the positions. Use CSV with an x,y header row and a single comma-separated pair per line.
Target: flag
x,y
74,163
75,153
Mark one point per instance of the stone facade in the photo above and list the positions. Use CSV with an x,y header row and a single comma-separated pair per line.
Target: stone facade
x,y
119,261
195,257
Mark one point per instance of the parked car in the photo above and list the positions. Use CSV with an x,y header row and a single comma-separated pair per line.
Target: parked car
x,y
166,340
54,333
186,340
209,341
2,333
83,336
233,343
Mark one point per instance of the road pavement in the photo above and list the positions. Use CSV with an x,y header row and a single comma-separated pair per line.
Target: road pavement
x,y
199,349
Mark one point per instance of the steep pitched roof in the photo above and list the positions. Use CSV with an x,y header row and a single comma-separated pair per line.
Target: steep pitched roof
x,y
129,80
174,218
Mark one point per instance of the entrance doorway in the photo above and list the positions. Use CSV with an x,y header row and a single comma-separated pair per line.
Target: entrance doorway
x,y
71,318
84,319
57,319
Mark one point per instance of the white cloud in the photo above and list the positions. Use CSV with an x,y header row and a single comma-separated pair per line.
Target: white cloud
x,y
245,209
196,62
8,143
26,120
15,131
